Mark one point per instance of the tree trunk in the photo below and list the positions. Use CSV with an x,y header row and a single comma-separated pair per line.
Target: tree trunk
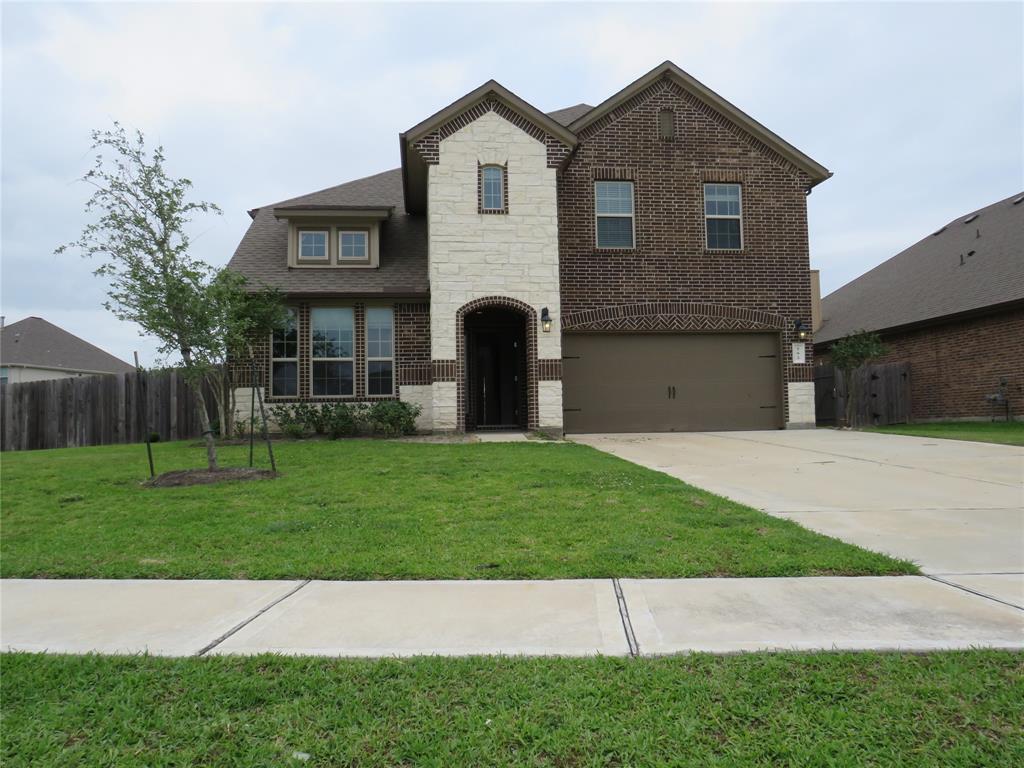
x,y
204,422
848,405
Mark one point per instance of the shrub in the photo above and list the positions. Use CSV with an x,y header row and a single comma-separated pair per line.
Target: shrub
x,y
342,419
291,419
241,428
392,418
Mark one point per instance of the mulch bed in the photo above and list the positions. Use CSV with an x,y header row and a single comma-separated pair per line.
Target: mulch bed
x,y
183,477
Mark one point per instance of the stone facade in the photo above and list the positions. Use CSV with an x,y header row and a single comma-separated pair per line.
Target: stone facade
x,y
657,285
483,259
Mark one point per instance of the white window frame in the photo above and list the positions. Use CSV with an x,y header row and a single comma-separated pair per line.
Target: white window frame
x,y
738,217
390,359
483,188
365,258
352,359
293,313
630,216
326,258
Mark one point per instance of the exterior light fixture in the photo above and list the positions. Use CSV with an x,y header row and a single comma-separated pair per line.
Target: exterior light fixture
x,y
545,320
800,330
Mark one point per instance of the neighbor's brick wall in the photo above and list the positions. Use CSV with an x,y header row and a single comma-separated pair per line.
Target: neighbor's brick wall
x,y
953,367
670,263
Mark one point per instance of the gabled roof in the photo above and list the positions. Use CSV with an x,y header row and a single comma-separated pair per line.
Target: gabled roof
x,y
815,170
568,114
37,343
974,263
262,259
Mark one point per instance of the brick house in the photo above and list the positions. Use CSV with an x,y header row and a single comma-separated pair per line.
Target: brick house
x,y
635,266
952,305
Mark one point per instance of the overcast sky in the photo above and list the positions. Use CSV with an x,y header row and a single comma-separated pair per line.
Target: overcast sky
x,y
917,108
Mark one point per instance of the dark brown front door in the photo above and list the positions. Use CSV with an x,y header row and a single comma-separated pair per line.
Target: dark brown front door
x,y
495,369
671,382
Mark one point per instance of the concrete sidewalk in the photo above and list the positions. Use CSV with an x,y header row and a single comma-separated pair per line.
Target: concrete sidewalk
x,y
569,618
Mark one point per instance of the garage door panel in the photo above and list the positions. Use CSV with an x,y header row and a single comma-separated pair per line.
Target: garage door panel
x,y
671,382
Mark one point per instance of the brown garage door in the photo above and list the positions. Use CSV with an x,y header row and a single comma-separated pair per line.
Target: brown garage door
x,y
671,382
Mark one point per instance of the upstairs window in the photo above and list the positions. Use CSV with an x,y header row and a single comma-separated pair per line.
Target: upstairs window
x,y
313,245
284,358
332,336
352,245
492,189
723,217
614,210
380,351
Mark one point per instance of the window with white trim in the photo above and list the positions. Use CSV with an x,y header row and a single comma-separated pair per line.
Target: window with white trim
x,y
284,358
723,217
613,207
492,188
313,245
353,245
380,353
332,341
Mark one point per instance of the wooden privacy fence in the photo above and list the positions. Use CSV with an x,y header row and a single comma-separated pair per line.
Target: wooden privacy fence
x,y
98,410
883,395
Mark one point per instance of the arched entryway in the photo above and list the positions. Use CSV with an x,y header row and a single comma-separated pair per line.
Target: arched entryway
x,y
498,362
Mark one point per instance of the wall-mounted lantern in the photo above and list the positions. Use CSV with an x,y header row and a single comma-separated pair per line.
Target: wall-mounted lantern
x,y
800,330
545,320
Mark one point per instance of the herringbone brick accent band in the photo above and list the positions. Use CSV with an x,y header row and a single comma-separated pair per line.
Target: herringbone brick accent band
x,y
672,316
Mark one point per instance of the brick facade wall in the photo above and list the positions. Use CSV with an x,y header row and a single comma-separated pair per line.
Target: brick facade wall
x,y
953,366
670,263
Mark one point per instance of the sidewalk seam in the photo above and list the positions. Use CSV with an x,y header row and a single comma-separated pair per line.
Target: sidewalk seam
x,y
627,625
209,647
972,591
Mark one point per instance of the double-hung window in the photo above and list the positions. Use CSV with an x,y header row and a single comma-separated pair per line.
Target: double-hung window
x,y
313,245
492,189
332,336
284,358
380,355
614,210
723,217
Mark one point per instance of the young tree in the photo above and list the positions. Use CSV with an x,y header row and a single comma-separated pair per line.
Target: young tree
x,y
198,313
850,353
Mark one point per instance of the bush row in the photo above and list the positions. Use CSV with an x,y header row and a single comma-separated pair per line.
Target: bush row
x,y
388,418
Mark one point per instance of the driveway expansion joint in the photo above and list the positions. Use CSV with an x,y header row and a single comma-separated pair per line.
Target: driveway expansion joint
x,y
962,588
242,624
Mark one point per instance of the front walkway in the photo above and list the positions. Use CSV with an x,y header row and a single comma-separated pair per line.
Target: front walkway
x,y
571,618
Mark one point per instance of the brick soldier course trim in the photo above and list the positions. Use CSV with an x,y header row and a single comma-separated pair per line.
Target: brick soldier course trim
x,y
530,318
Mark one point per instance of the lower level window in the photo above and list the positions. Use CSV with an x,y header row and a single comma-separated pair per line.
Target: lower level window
x,y
284,362
332,338
380,351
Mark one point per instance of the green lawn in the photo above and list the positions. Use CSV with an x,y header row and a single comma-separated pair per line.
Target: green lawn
x,y
1004,432
371,509
821,709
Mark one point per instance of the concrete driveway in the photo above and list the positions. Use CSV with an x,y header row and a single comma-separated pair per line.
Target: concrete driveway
x,y
954,507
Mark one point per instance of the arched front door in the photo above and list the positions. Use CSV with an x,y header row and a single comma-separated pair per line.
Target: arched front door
x,y
496,368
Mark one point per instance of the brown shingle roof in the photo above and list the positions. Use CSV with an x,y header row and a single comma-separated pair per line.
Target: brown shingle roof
x,y
569,114
36,342
974,262
262,255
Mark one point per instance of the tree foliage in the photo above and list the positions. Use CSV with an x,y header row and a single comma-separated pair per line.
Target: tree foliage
x,y
140,236
850,353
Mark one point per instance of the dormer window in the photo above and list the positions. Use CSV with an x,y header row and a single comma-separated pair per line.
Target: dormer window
x,y
353,245
313,245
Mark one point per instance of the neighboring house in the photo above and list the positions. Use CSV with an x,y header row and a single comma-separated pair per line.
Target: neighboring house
x,y
33,350
638,265
952,306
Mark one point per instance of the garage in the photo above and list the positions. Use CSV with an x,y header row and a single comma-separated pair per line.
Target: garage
x,y
658,382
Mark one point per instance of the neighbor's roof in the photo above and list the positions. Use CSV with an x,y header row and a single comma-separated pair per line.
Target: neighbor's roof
x,y
37,343
973,263
261,256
